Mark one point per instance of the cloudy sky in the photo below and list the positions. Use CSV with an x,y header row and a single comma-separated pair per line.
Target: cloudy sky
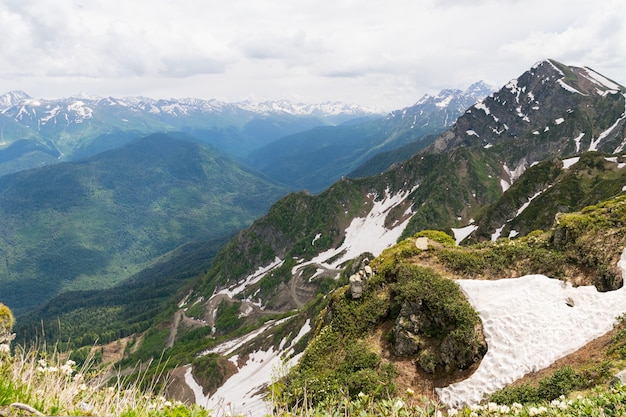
x,y
378,53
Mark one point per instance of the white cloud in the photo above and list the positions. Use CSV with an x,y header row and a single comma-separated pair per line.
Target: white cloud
x,y
362,51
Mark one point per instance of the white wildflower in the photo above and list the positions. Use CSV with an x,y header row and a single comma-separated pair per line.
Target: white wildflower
x,y
82,387
85,406
5,348
52,369
504,409
66,370
492,407
42,363
453,412
167,403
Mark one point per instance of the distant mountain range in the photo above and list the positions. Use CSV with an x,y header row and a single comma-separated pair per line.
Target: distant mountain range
x,y
304,146
314,159
35,132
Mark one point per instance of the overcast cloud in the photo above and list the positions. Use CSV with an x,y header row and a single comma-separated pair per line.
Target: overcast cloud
x,y
384,54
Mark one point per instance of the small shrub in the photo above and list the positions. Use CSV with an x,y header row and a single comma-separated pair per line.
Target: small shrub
x,y
437,236
6,324
427,361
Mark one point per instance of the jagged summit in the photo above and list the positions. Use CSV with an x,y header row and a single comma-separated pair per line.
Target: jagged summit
x,y
552,105
480,89
443,108
12,98
463,99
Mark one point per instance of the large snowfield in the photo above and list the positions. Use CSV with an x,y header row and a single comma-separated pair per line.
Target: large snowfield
x,y
528,325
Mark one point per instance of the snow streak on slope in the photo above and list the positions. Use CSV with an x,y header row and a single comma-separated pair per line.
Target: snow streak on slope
x,y
593,146
244,391
461,233
529,324
496,235
250,279
567,163
365,234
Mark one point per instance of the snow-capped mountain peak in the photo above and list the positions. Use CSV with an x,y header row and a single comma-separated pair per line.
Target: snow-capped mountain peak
x,y
13,98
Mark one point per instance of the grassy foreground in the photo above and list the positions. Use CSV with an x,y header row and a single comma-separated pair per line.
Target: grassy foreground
x,y
32,383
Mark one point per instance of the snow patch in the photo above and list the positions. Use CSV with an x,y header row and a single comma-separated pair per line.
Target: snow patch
x,y
498,232
601,80
613,159
245,389
250,279
445,102
481,106
496,235
366,234
569,88
505,185
526,204
471,133
567,163
559,120
461,233
515,173
593,146
577,140
528,326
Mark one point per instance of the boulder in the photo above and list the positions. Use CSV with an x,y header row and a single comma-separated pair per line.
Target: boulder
x,y
405,332
618,379
421,243
356,286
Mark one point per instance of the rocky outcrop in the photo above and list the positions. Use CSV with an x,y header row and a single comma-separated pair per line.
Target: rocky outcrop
x,y
358,280
414,336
